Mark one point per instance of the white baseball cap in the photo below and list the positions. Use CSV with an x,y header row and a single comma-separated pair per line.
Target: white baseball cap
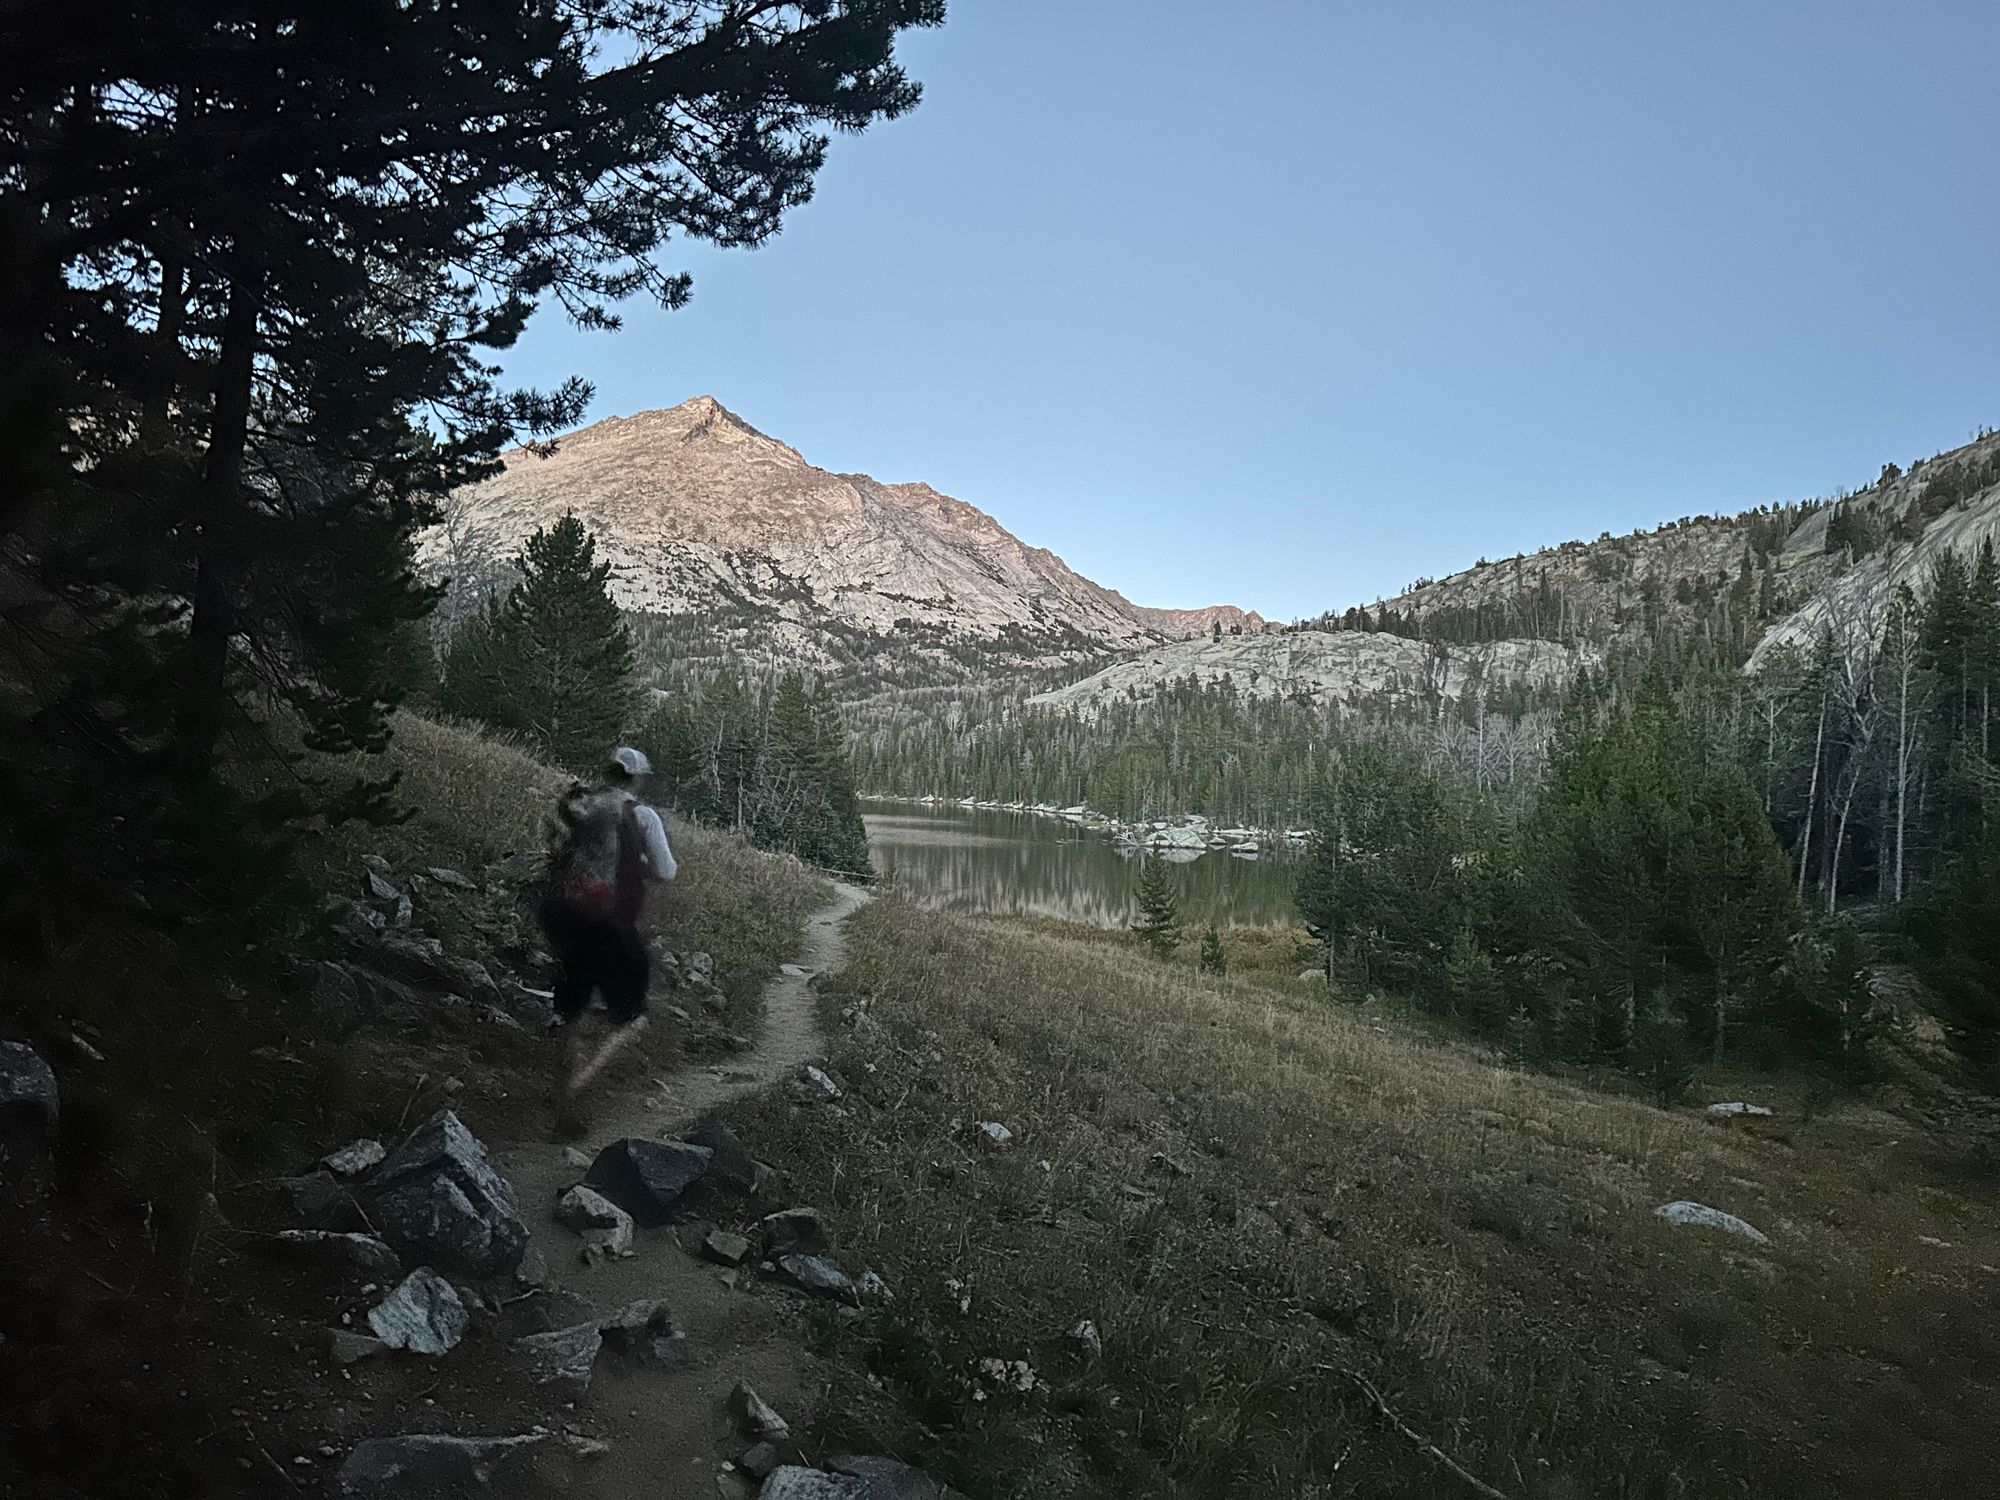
x,y
631,762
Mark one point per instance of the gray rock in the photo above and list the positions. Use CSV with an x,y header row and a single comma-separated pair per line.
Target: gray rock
x,y
427,1463
444,875
563,1357
424,1315
993,1133
818,1275
1737,1107
1684,1211
532,1274
698,969
606,1228
376,863
405,912
1312,976
872,1289
796,971
888,1479
362,1252
646,1178
344,1347
318,1201
758,1460
581,1445
438,1194
30,1110
754,1414
794,1229
1086,1334
822,1083
726,1249
575,1158
359,920
731,1165
794,1483
354,1158
643,1331
380,888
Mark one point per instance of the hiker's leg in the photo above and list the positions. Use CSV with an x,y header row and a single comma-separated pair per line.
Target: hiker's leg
x,y
625,970
622,969
569,940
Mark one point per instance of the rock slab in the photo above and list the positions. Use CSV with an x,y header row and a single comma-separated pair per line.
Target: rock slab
x,y
439,1195
646,1178
1684,1211
889,1479
427,1463
794,1483
424,1315
563,1357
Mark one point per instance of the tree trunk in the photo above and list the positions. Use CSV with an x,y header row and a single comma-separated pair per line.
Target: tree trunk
x,y
205,678
1812,797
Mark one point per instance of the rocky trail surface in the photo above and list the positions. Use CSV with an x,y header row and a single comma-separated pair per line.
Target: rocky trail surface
x,y
670,1426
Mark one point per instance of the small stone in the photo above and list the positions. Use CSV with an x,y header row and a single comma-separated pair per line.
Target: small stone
x,y
818,1078
1683,1211
431,1463
725,1248
424,1315
444,875
532,1274
794,1483
575,1158
562,1357
605,1227
363,1252
817,1274
994,1133
758,1460
755,1415
344,1348
1086,1334
873,1289
354,1158
794,1229
642,1330
585,1447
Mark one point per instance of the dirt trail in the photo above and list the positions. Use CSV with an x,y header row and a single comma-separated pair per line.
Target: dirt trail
x,y
669,1429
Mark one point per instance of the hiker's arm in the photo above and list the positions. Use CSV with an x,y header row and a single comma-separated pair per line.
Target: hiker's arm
x,y
653,839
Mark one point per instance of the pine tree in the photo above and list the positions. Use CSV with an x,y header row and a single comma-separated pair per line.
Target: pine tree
x,y
1159,921
301,227
1213,959
553,662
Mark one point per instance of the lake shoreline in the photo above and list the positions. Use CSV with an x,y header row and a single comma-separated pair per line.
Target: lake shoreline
x,y
1192,833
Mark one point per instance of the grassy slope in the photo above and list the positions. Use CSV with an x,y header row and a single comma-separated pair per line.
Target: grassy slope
x,y
138,1308
1254,1193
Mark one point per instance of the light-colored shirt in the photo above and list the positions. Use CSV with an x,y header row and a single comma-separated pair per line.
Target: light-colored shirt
x,y
660,863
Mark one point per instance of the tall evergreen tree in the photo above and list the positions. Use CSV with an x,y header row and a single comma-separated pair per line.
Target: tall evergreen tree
x,y
553,661
1159,921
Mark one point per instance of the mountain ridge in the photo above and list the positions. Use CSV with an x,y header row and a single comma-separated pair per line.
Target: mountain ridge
x,y
697,509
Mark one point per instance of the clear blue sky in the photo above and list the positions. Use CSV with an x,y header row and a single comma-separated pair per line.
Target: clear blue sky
x,y
1286,302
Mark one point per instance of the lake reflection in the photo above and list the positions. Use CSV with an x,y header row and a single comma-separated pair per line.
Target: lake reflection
x,y
1018,864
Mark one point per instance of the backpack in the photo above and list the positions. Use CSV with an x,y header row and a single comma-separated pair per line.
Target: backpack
x,y
601,868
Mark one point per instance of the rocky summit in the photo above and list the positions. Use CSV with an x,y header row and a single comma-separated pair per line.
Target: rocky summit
x,y
698,511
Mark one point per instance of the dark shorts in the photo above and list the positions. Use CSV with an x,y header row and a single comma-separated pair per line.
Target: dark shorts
x,y
596,952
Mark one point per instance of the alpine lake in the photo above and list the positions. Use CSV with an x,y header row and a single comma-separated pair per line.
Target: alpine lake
x,y
1019,863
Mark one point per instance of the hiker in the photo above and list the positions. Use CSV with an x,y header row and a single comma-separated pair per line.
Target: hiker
x,y
615,847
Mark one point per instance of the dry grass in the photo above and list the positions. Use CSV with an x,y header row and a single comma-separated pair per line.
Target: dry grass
x,y
1253,1192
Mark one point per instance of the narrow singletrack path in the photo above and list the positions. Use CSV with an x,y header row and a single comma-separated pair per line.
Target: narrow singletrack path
x,y
669,1428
